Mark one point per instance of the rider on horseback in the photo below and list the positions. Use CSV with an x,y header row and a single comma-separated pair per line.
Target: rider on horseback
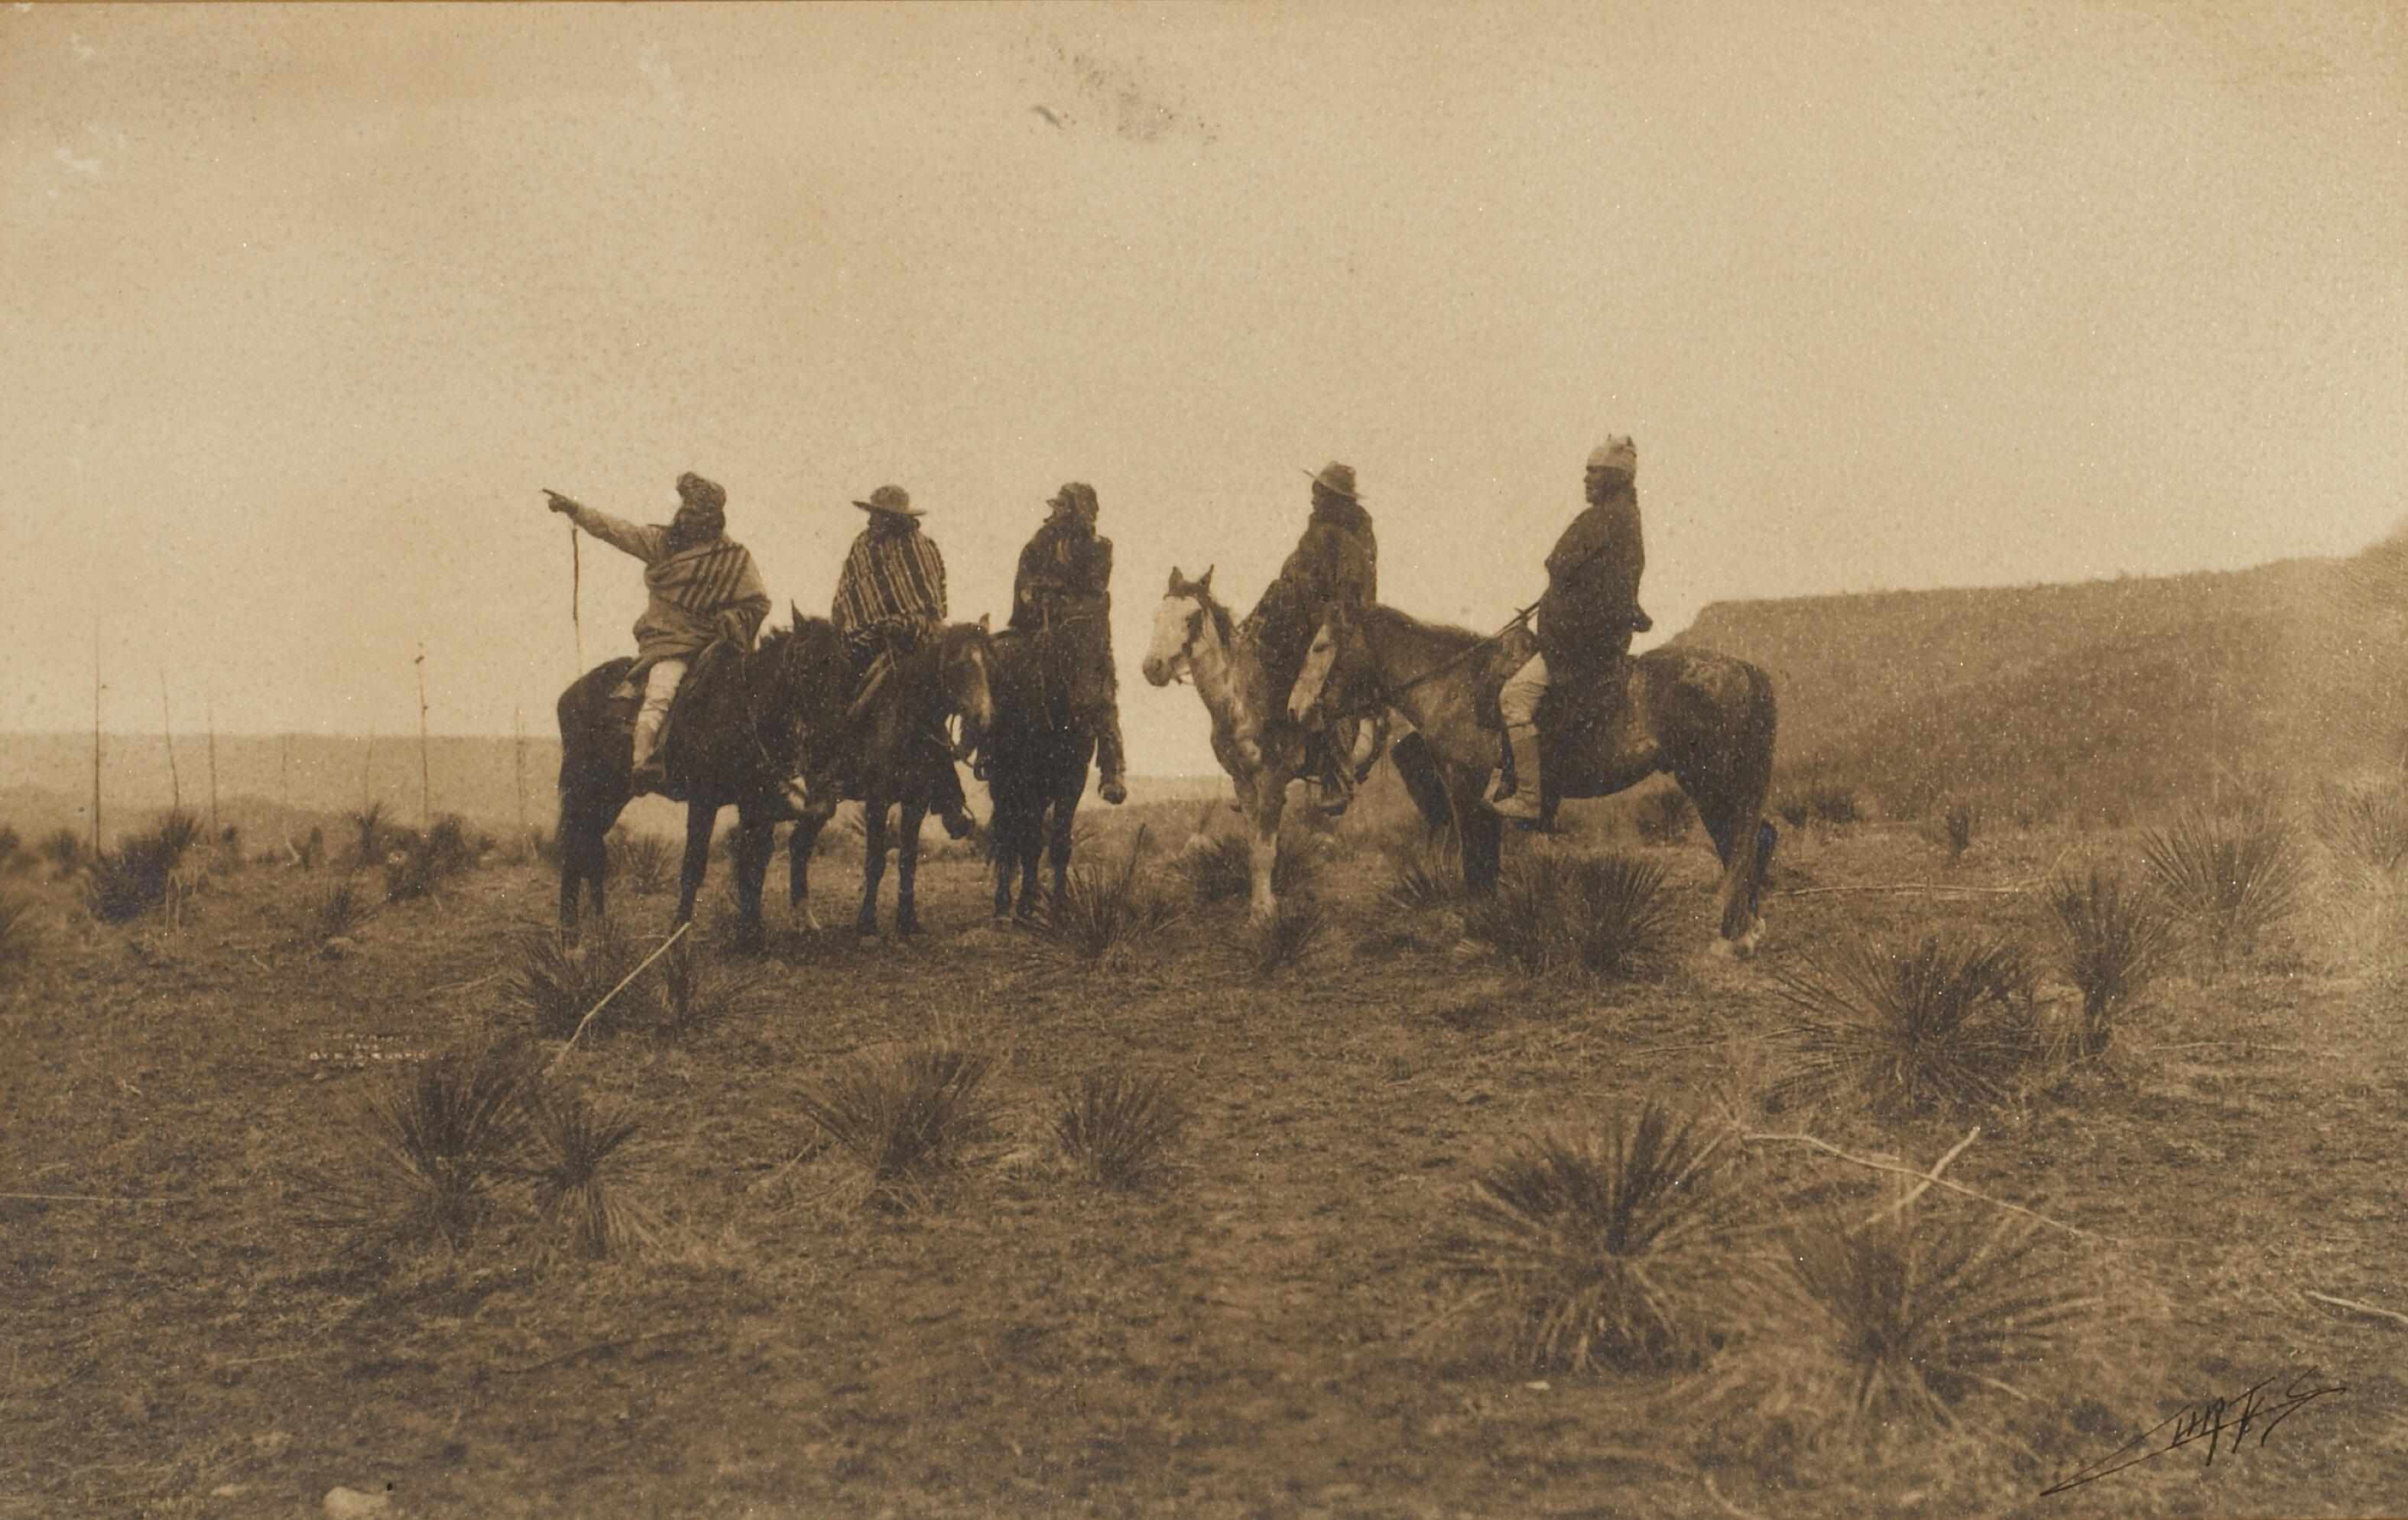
x,y
1336,560
705,591
1585,619
1065,577
890,595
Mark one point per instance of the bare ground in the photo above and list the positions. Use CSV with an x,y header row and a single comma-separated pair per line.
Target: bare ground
x,y
1263,1332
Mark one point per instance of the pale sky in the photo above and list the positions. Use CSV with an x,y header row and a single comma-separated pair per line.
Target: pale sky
x,y
303,306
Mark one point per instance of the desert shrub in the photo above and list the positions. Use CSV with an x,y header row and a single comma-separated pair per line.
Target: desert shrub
x,y
1553,910
641,861
1827,801
2367,826
2112,940
1119,1127
136,877
1921,1309
1664,817
430,1146
1948,1022
367,834
2229,875
697,987
1957,827
313,853
559,984
1794,808
1101,916
18,936
337,911
418,865
1222,868
63,849
1614,1249
1282,940
905,1113
577,1156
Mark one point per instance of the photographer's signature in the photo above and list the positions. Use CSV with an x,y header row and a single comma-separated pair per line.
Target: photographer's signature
x,y
2221,1423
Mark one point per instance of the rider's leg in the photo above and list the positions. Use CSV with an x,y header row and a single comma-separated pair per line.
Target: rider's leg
x,y
1519,705
1099,708
660,689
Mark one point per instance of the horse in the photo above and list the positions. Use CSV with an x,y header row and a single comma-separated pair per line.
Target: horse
x,y
1036,759
1706,719
940,678
1256,739
735,739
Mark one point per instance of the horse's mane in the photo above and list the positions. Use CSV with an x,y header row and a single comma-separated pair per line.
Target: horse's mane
x,y
1221,626
1405,622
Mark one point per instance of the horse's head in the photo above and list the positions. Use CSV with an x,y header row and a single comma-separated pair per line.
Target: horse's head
x,y
1179,624
965,668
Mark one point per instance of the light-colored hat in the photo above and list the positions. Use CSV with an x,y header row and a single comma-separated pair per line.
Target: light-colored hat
x,y
1616,453
893,499
1077,495
1338,479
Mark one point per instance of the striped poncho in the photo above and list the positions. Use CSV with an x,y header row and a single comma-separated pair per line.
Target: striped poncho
x,y
890,578
701,594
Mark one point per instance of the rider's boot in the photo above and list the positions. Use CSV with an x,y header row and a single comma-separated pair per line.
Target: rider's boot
x,y
648,774
1516,796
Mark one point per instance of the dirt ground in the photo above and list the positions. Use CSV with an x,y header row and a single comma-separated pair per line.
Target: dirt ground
x,y
1263,1332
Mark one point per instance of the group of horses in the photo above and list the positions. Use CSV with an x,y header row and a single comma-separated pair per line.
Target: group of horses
x,y
753,722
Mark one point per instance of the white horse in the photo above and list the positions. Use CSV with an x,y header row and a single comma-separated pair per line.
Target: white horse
x,y
1256,739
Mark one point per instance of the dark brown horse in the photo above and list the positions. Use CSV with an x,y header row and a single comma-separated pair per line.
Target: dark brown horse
x,y
1037,756
1706,719
735,740
888,757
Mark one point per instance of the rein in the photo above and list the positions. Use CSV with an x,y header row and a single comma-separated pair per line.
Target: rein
x,y
1388,695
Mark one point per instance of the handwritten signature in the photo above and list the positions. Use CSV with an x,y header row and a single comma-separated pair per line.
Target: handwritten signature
x,y
2221,1423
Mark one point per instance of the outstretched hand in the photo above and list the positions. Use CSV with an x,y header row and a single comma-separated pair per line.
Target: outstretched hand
x,y
557,502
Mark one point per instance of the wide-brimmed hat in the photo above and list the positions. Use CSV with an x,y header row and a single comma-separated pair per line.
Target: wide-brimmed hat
x,y
1338,479
1077,495
707,494
893,499
1616,453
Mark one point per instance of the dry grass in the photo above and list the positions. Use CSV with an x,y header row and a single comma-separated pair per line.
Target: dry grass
x,y
1101,916
559,984
644,863
1119,1127
2367,825
1282,941
20,937
1949,1022
697,987
124,882
1615,1249
578,1159
1554,911
336,912
1422,875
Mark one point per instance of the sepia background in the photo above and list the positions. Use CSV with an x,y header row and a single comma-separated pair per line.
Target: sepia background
x,y
305,305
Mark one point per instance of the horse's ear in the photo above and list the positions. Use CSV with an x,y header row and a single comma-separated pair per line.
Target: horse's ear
x,y
1204,581
985,622
1177,583
797,613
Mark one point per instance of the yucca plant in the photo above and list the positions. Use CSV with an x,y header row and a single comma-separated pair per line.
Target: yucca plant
x,y
18,936
128,881
1615,1249
1272,944
2230,876
1422,876
1553,910
905,1114
1924,1309
63,849
1958,826
367,834
2113,940
431,1146
2367,826
1947,1022
577,1156
698,988
1222,868
1101,916
1119,1127
337,910
643,861
559,984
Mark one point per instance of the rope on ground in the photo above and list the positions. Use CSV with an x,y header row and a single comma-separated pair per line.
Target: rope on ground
x,y
615,991
1827,1146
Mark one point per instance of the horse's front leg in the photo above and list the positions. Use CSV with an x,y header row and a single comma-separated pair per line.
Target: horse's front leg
x,y
873,863
756,838
1066,816
1270,800
700,817
1003,853
907,870
800,847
